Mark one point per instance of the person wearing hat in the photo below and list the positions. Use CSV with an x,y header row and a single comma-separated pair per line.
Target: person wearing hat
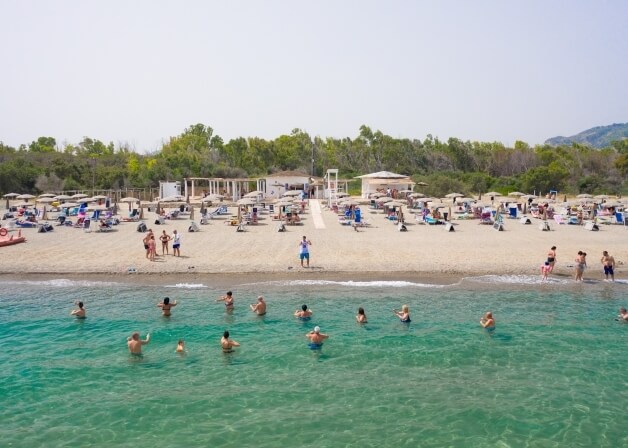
x,y
259,308
316,338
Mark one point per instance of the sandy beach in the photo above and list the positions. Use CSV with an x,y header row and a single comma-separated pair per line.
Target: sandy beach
x,y
379,249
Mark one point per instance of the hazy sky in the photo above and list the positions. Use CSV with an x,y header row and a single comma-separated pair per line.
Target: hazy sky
x,y
141,71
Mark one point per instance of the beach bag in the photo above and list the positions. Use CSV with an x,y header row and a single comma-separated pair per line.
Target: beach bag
x,y
141,227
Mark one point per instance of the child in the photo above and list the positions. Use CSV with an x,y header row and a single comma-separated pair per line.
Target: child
x,y
545,270
180,346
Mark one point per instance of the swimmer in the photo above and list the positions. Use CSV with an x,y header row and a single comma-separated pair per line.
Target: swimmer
x,y
623,314
404,314
316,338
227,344
228,299
135,343
80,312
259,308
166,306
303,313
361,317
487,321
181,346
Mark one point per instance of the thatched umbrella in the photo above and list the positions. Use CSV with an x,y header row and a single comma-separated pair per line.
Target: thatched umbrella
x,y
141,212
191,212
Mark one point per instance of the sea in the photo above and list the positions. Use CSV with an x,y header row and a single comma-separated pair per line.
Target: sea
x,y
554,372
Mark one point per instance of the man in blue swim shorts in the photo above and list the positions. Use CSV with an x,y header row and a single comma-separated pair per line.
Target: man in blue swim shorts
x,y
304,253
608,262
316,338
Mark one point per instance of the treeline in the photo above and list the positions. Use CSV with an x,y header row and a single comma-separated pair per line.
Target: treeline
x,y
454,165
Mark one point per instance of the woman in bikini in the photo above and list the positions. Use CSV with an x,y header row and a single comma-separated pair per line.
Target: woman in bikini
x,y
166,306
404,314
228,300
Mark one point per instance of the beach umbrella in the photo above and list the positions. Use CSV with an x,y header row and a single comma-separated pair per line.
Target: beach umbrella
x,y
129,199
493,193
342,194
79,196
62,197
44,216
11,195
47,195
247,201
46,200
25,196
100,196
349,202
454,195
601,196
516,193
383,200
69,204
417,195
394,204
253,194
584,196
377,195
174,198
528,196
292,193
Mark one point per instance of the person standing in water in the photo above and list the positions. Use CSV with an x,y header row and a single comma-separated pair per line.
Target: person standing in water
x,y
551,258
228,300
304,252
404,314
361,317
227,344
259,308
316,338
166,306
487,321
181,346
304,313
135,343
79,312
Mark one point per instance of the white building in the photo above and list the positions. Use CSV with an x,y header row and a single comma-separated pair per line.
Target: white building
x,y
384,180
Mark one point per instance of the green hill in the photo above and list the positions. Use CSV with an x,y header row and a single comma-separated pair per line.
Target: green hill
x,y
598,137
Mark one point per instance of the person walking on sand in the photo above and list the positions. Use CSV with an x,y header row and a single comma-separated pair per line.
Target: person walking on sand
x,y
551,258
135,343
608,262
304,253
79,312
164,243
259,308
176,243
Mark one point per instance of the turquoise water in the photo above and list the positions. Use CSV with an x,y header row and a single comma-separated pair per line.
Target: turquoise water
x,y
554,373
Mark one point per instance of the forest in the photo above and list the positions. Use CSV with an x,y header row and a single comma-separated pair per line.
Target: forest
x,y
445,166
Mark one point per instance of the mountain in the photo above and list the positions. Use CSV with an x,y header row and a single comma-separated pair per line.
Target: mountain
x,y
598,137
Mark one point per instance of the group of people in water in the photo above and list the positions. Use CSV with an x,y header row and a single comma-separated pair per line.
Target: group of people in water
x,y
607,261
315,337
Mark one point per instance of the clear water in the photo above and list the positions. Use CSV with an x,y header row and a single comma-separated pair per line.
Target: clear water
x,y
554,373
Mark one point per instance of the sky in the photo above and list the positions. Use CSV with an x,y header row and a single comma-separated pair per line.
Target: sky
x,y
138,72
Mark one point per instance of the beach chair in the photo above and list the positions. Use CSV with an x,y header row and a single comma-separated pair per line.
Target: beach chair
x,y
104,226
559,219
619,218
87,225
486,218
512,212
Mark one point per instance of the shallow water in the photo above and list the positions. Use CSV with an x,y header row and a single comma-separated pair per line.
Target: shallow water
x,y
552,374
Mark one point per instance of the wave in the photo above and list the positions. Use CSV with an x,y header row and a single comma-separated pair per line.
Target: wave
x,y
187,286
517,280
60,283
353,284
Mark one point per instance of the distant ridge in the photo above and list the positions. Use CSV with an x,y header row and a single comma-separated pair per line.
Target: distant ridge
x,y
598,137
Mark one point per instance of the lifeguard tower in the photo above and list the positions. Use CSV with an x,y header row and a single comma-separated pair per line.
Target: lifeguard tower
x,y
331,187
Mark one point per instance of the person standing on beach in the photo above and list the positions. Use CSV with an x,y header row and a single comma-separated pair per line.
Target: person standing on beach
x,y
227,344
80,312
135,343
551,258
608,262
176,243
228,300
166,306
164,243
152,248
259,308
304,252
581,263
146,241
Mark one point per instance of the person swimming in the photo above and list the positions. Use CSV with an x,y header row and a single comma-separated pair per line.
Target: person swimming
x,y
404,314
487,321
361,317
181,346
80,312
623,314
316,338
303,314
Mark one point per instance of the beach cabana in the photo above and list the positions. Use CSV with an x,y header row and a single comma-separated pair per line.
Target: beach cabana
x,y
384,179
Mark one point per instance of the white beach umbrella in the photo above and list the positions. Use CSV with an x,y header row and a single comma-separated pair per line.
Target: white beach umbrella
x,y
342,194
516,194
383,200
417,195
62,197
100,196
253,194
46,200
528,196
79,196
454,195
129,199
11,195
46,195
69,205
213,197
584,196
349,202
247,201
25,196
601,196
292,193
493,193
393,204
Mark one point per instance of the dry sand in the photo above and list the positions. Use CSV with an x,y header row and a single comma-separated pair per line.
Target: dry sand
x,y
426,251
